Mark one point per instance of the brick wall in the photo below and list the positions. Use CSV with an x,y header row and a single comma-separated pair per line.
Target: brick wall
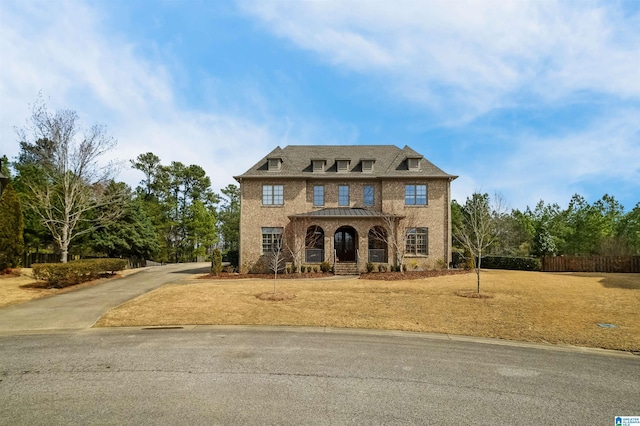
x,y
388,197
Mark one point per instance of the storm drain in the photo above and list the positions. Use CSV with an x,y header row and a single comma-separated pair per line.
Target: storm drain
x,y
163,328
607,325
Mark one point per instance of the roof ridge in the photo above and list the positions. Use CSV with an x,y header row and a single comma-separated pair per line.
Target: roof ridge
x,y
394,159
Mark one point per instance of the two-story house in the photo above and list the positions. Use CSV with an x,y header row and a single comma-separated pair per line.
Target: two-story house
x,y
346,205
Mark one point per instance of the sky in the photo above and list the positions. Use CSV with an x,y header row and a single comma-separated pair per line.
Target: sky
x,y
530,100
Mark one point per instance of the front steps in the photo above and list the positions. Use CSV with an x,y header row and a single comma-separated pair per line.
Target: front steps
x,y
346,268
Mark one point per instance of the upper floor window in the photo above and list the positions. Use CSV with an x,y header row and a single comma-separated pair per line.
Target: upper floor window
x,y
343,165
415,195
367,166
318,165
272,194
368,195
271,240
417,241
413,163
274,164
343,195
318,195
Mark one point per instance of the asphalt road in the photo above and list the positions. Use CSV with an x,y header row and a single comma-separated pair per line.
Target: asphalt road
x,y
243,375
80,309
55,369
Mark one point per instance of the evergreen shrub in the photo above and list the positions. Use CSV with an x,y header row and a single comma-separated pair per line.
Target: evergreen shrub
x,y
325,267
60,275
512,263
216,262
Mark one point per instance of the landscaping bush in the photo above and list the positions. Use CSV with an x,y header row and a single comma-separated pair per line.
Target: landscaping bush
x,y
512,263
61,275
325,267
216,262
441,264
370,267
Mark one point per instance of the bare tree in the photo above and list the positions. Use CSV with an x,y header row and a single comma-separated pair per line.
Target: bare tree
x,y
66,183
297,239
479,228
276,259
389,233
394,231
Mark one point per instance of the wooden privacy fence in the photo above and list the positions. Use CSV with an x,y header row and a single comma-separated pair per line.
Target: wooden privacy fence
x,y
29,259
630,264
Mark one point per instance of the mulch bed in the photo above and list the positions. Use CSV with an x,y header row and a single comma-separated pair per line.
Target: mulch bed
x,y
275,297
10,273
381,276
474,295
237,276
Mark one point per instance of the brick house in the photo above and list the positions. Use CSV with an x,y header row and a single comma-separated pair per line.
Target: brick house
x,y
345,205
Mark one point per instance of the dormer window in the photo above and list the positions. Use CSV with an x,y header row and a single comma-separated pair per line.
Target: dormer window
x,y
367,166
318,165
275,164
413,163
343,165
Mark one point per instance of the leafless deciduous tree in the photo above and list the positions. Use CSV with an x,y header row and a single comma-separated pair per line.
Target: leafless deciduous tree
x,y
394,231
299,235
67,189
480,225
276,259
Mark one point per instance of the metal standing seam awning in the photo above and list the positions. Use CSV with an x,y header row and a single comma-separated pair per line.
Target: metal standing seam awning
x,y
342,213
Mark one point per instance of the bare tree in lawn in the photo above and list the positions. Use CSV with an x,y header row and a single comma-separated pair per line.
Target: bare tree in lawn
x,y
299,235
394,232
479,228
58,163
276,258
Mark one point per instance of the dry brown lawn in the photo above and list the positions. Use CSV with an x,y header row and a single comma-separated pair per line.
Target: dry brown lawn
x,y
526,306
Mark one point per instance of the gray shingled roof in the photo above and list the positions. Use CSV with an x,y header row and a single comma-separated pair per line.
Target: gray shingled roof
x,y
390,161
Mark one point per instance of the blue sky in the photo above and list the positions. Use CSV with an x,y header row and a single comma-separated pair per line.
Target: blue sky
x,y
532,100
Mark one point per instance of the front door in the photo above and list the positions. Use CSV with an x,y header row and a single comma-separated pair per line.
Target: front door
x,y
345,244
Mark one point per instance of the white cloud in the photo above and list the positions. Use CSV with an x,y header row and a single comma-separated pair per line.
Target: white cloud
x,y
464,58
61,49
554,168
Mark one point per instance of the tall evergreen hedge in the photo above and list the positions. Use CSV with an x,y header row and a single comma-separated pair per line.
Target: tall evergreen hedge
x,y
11,229
512,263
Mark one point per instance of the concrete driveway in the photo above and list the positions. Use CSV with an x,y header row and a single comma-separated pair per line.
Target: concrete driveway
x,y
82,308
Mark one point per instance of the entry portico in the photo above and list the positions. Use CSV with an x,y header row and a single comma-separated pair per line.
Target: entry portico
x,y
344,235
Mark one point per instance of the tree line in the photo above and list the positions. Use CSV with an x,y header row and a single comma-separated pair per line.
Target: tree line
x,y
63,198
582,229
